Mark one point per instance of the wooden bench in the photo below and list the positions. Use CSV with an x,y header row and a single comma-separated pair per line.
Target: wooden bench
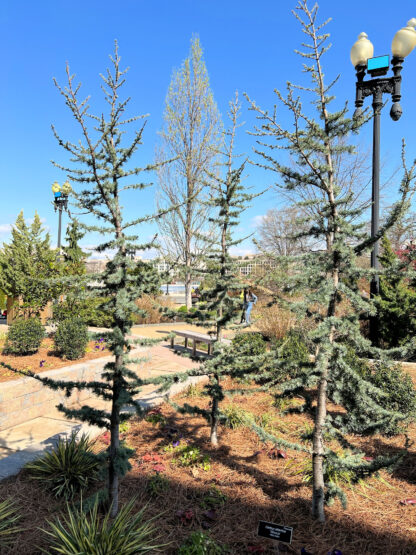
x,y
196,338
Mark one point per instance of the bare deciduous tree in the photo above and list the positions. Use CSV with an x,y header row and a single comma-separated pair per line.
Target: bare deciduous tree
x,y
278,232
191,135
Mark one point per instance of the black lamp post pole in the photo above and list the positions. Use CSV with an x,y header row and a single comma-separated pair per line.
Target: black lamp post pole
x,y
59,228
60,203
376,88
375,207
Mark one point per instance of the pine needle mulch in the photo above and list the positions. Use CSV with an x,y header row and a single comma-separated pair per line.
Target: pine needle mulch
x,y
242,486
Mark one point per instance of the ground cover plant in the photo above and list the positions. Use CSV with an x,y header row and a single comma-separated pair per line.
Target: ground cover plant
x,y
248,480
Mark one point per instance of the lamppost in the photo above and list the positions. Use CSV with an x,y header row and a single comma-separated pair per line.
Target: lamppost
x,y
60,201
404,42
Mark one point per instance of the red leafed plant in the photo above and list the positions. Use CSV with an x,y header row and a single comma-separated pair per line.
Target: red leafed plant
x,y
277,454
408,501
256,548
185,516
152,457
159,468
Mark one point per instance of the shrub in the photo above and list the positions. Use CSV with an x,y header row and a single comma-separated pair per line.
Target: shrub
x,y
213,499
96,313
199,543
70,467
251,344
9,516
234,417
78,533
182,309
158,485
400,394
71,338
293,347
191,456
25,336
273,321
153,308
193,390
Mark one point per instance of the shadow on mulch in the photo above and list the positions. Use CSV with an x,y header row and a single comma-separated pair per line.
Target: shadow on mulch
x,y
252,487
235,523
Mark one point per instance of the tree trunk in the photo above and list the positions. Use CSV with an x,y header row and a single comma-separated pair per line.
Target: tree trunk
x,y
214,413
188,288
115,439
214,422
318,453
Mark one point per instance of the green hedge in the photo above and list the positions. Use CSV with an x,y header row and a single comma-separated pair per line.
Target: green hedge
x,y
24,336
71,338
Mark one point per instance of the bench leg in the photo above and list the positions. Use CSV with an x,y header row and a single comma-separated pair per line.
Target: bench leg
x,y
194,348
186,342
172,342
210,348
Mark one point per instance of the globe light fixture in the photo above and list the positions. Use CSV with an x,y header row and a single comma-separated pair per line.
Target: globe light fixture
x,y
60,200
361,50
404,40
362,58
66,188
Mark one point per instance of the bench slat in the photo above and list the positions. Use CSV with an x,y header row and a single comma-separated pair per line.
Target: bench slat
x,y
195,335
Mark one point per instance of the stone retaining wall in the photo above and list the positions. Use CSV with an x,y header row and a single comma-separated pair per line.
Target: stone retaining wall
x,y
27,398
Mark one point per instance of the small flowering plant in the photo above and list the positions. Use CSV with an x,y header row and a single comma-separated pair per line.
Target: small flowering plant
x,y
42,363
100,344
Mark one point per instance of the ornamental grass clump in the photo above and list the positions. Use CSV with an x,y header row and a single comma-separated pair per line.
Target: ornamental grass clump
x,y
71,338
9,516
79,533
68,469
25,336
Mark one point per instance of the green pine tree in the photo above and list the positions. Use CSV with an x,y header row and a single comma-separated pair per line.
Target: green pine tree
x,y
325,280
74,299
73,255
26,265
396,304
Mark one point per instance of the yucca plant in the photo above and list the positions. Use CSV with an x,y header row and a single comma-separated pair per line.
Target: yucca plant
x,y
80,533
68,468
9,517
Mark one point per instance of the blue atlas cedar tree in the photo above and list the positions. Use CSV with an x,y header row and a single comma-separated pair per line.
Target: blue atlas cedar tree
x,y
101,171
324,281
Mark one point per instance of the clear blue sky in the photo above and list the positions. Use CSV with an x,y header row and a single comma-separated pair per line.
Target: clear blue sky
x,y
247,46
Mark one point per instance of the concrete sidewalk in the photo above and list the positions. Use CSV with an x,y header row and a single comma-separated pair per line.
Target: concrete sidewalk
x,y
26,441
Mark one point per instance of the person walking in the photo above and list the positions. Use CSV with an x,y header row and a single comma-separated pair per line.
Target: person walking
x,y
244,298
251,301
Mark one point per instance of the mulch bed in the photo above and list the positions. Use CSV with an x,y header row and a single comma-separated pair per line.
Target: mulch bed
x,y
45,359
250,483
